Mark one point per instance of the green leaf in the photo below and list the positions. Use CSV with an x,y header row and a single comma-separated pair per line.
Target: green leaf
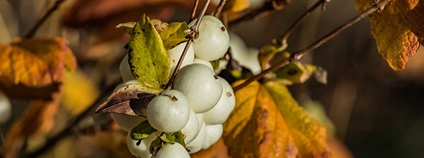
x,y
174,34
148,58
177,137
215,64
267,53
142,131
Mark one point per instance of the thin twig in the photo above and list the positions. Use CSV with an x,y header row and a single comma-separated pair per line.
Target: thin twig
x,y
219,8
193,11
44,18
297,55
68,130
282,40
194,30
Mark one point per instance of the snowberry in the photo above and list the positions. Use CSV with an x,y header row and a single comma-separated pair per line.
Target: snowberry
x,y
127,122
213,40
204,62
175,150
168,111
213,133
198,83
125,70
175,54
5,108
140,148
192,128
220,112
244,56
197,144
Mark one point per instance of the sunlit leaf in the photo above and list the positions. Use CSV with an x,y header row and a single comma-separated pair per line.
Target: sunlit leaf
x,y
268,52
397,30
35,61
268,122
174,34
130,100
236,5
79,92
142,131
148,58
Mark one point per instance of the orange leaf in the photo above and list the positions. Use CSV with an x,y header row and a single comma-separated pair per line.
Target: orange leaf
x,y
268,122
38,120
35,62
398,29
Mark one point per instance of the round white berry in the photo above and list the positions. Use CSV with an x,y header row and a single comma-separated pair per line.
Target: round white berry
x,y
213,40
175,150
198,83
213,133
140,148
125,69
197,144
168,111
127,122
244,56
191,129
175,54
204,62
5,108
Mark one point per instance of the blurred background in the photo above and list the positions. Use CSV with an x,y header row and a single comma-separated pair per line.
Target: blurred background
x,y
374,111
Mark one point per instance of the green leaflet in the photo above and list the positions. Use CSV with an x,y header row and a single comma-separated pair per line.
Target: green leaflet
x,y
296,72
174,34
142,131
148,58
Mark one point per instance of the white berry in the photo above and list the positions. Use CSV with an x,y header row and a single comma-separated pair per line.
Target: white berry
x,y
197,144
213,40
175,54
198,83
204,62
220,112
5,108
213,133
175,150
192,128
127,122
168,111
140,148
125,70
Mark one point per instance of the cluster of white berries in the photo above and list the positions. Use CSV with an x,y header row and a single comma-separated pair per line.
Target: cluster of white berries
x,y
198,103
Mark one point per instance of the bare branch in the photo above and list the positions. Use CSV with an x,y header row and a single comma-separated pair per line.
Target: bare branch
x,y
297,55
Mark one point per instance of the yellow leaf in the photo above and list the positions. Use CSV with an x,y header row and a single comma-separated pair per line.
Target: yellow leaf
x,y
236,5
398,29
79,92
268,122
35,61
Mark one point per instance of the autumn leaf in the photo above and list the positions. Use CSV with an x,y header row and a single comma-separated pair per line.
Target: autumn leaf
x,y
236,5
38,120
131,99
174,34
35,62
147,55
398,29
268,122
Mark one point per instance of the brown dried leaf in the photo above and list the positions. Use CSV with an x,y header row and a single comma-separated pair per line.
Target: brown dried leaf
x,y
130,100
268,122
398,29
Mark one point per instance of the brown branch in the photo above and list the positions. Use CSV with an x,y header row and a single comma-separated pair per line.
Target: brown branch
x,y
193,11
282,40
266,8
297,55
44,18
194,30
68,130
219,8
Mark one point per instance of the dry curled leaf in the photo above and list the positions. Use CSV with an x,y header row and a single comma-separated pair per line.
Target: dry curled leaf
x,y
398,29
268,122
35,62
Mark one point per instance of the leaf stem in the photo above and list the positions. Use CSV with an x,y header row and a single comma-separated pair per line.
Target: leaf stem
x,y
377,6
282,40
43,19
194,30
69,129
